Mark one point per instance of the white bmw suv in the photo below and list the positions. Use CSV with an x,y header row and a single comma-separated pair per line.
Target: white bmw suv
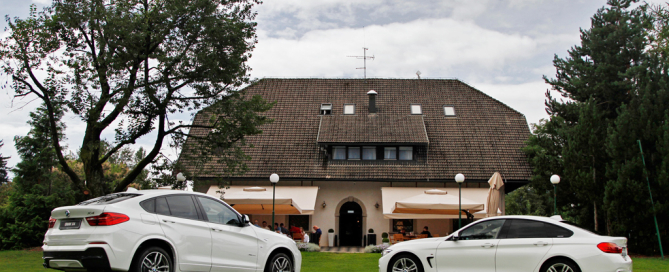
x,y
162,230
512,244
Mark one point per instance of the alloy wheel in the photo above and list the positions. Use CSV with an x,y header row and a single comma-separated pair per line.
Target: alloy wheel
x,y
404,265
155,262
560,267
282,264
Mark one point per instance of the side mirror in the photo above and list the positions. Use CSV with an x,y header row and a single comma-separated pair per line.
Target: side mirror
x,y
454,237
245,219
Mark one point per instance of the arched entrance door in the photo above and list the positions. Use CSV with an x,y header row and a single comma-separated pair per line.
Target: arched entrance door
x,y
350,224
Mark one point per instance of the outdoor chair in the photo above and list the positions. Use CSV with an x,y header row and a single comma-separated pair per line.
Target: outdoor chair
x,y
421,236
298,236
398,237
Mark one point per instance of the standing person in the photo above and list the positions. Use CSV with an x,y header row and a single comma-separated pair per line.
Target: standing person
x,y
265,226
276,228
425,231
284,230
305,236
255,223
317,235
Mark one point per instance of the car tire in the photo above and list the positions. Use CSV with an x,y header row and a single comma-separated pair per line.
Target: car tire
x,y
405,262
560,265
152,257
279,262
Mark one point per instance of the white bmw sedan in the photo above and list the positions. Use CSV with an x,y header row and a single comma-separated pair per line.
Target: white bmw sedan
x,y
162,230
511,244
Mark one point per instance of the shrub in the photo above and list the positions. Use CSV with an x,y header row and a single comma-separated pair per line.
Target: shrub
x,y
385,240
308,247
384,235
371,230
375,248
331,231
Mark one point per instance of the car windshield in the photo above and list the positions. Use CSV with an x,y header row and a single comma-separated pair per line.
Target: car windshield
x,y
108,199
580,227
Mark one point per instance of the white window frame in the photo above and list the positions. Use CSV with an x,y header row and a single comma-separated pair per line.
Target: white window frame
x,y
353,108
324,108
418,107
446,111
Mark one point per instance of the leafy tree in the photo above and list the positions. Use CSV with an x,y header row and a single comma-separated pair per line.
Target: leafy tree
x,y
36,189
526,200
139,63
3,167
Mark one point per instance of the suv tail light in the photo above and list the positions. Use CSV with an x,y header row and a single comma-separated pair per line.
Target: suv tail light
x,y
610,248
107,219
52,222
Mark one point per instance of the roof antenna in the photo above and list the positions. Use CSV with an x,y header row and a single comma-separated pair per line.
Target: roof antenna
x,y
364,57
418,74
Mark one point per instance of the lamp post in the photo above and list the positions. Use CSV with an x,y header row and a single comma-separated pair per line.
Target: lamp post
x,y
555,179
273,178
459,178
182,178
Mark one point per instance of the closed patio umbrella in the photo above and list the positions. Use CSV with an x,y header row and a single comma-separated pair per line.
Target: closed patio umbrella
x,y
493,194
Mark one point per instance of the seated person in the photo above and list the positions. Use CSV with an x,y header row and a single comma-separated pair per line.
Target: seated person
x,y
305,236
425,231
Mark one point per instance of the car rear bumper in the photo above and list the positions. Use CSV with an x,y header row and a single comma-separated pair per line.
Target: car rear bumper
x,y
93,259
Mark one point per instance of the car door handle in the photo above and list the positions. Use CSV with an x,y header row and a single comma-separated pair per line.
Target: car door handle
x,y
540,243
216,229
487,245
168,221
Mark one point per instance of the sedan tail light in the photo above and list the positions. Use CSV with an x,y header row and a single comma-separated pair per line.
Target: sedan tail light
x,y
52,222
107,219
610,248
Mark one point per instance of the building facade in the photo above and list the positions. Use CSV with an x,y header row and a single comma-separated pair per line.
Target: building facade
x,y
355,155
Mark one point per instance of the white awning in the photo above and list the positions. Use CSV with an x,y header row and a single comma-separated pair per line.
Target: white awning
x,y
258,199
427,203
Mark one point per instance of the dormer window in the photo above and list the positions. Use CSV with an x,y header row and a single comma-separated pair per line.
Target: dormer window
x,y
349,109
449,111
416,109
326,109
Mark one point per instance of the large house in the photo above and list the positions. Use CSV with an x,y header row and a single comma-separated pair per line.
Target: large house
x,y
351,152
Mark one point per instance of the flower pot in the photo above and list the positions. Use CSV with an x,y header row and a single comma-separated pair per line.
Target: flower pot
x,y
331,236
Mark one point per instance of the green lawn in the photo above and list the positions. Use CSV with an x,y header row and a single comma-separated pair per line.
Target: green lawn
x,y
28,261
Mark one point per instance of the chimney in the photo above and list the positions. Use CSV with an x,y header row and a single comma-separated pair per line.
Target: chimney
x,y
372,101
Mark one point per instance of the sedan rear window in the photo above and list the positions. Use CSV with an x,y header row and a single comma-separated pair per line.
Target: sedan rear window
x,y
108,199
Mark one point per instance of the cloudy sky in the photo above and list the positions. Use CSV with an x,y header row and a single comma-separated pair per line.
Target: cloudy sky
x,y
501,47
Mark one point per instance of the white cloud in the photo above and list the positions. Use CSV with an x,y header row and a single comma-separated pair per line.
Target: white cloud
x,y
43,2
437,47
527,98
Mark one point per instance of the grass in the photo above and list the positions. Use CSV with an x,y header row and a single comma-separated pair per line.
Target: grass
x,y
31,260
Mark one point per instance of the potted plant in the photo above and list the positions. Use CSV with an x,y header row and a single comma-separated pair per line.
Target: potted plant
x,y
371,237
331,236
385,239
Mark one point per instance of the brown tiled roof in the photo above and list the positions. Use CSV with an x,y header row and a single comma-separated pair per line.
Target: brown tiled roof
x,y
372,128
486,136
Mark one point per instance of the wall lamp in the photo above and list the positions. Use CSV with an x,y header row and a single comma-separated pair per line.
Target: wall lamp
x,y
323,204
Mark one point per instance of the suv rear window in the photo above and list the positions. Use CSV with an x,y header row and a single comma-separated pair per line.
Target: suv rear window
x,y
108,199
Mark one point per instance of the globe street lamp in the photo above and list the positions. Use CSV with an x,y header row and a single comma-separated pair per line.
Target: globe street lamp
x,y
555,179
274,178
459,178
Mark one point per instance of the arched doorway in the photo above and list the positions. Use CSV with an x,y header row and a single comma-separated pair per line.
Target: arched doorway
x,y
350,224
